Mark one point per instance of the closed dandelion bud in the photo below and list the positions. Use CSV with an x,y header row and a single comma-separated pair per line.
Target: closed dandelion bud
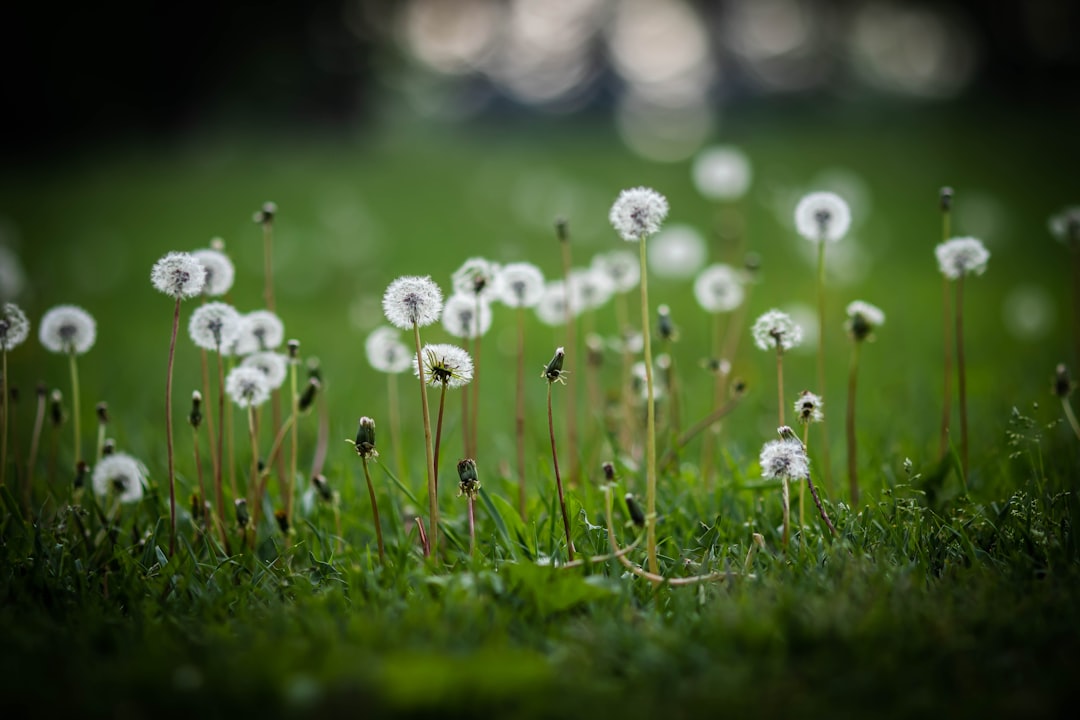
x,y
322,487
56,408
265,214
562,229
636,513
282,520
863,319
102,410
241,513
294,350
469,485
365,439
554,370
609,471
81,471
195,418
946,196
108,447
308,396
666,326
1063,385
808,408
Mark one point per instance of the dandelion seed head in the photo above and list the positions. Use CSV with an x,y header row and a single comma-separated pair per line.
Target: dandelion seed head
x,y
809,408
215,326
863,319
1065,226
412,299
638,213
776,329
385,351
477,276
178,275
466,316
822,216
961,256
67,328
247,386
722,173
591,288
14,327
784,459
552,308
220,272
621,266
521,284
445,364
719,288
678,252
119,475
260,330
12,275
274,365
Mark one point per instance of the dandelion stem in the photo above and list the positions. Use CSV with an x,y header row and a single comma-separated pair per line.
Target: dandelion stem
x,y
472,527
74,367
622,319
820,507
961,378
853,477
431,549
198,469
374,511
650,416
290,485
268,264
946,301
473,429
465,428
215,457
1076,299
168,426
785,486
35,440
100,441
1071,417
571,348
255,488
698,427
825,462
708,447
395,422
438,435
558,478
780,381
218,492
5,400
802,494
232,430
519,420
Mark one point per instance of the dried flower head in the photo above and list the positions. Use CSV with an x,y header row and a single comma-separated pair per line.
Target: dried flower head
x,y
445,364
1065,226
260,330
677,252
220,272
722,173
863,319
14,327
477,276
638,213
776,330
466,316
822,216
119,476
621,266
247,386
215,326
67,329
719,288
412,300
961,256
521,284
386,352
274,366
552,308
365,439
178,275
592,288
468,484
809,408
784,459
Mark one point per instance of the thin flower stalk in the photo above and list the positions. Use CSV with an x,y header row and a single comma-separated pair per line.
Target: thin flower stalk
x,y
650,417
554,373
255,489
76,412
961,379
169,427
4,415
700,426
852,451
469,486
473,429
562,230
519,419
947,326
35,441
826,463
432,544
290,485
365,448
195,420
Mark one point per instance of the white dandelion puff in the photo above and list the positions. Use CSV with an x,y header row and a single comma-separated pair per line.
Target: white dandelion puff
x,y
863,318
120,476
1065,226
247,386
466,316
961,256
67,328
677,252
215,326
776,329
14,327
12,275
809,408
521,284
621,266
179,275
385,351
552,308
445,364
719,288
822,216
477,276
220,271
591,288
274,365
412,299
260,330
638,213
722,173
784,459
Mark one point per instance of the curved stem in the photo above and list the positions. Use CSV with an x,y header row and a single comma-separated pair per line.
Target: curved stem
x,y
432,546
290,486
558,478
374,511
1071,417
168,428
35,440
650,415
853,477
820,507
438,435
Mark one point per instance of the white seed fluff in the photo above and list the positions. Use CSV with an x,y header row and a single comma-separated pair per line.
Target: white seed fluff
x,y
719,288
1065,226
477,276
822,216
865,312
776,329
118,475
445,364
592,288
722,173
466,316
259,330
67,328
14,327
638,213
412,299
247,386
220,271
961,256
784,459
215,326
809,408
622,266
179,275
385,351
551,310
521,284
274,365
677,252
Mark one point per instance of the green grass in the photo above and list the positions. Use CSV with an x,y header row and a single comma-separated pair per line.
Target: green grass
x,y
931,601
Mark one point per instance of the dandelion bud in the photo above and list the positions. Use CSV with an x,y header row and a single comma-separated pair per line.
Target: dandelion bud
x,y
56,408
469,485
946,198
41,390
81,469
294,350
282,520
636,513
1063,386
562,229
554,370
609,471
102,410
108,447
322,487
667,327
862,320
241,513
265,214
308,396
195,418
365,438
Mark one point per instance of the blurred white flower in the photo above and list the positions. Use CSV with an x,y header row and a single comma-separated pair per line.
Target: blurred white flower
x,y
273,365
592,288
178,275
118,475
1028,312
466,316
1065,226
477,276
386,352
445,364
677,252
259,330
412,299
776,329
220,272
638,213
215,326
961,256
67,328
784,459
521,284
552,308
247,386
719,288
722,173
14,327
809,408
822,216
863,318
621,266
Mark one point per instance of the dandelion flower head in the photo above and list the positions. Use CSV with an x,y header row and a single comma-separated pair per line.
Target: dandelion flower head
x,y
784,459
247,386
722,173
822,216
863,319
385,351
466,316
215,326
179,275
119,475
14,327
412,299
521,284
1065,226
677,252
477,276
220,271
445,364
259,330
592,288
961,256
776,329
555,302
67,328
809,408
274,365
622,266
719,288
638,213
